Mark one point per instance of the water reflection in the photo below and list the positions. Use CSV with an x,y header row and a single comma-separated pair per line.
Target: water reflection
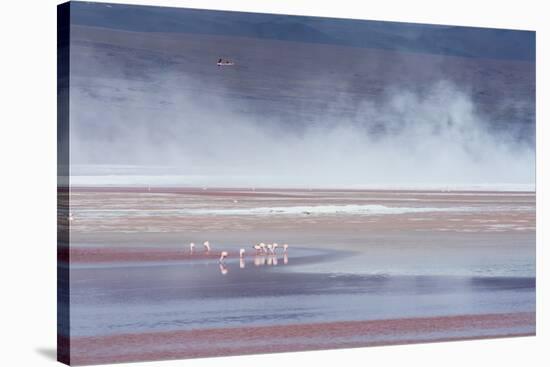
x,y
258,260
223,269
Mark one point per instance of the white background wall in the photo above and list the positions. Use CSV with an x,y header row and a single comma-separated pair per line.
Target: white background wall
x,y
28,181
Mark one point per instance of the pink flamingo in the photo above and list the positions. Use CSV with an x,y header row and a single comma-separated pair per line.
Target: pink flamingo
x,y
274,248
191,247
223,255
206,246
241,253
258,249
285,248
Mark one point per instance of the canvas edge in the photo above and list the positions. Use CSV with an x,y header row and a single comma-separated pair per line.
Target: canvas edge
x,y
63,175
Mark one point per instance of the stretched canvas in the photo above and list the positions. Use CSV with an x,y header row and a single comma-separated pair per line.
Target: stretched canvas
x,y
234,183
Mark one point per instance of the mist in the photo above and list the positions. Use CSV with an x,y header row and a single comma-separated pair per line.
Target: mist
x,y
173,128
407,139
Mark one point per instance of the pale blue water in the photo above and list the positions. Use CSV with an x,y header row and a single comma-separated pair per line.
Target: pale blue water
x,y
128,298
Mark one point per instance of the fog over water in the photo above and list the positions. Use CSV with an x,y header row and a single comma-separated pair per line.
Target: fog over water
x,y
435,139
162,113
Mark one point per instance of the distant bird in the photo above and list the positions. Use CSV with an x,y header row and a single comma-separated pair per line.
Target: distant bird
x,y
285,248
191,247
262,245
270,248
224,62
223,255
241,253
258,248
206,246
275,245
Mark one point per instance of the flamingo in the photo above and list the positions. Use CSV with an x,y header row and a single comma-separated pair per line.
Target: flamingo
x,y
262,245
223,255
191,247
270,248
206,246
285,248
258,248
241,253
275,245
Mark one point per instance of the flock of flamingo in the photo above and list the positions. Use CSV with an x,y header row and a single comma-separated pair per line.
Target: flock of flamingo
x,y
266,254
261,249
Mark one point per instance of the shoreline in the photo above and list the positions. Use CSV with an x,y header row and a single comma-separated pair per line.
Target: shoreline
x,y
295,337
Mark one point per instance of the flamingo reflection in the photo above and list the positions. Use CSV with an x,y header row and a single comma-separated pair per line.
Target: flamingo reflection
x,y
223,269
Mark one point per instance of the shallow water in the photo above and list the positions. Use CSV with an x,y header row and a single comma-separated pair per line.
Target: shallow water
x,y
134,298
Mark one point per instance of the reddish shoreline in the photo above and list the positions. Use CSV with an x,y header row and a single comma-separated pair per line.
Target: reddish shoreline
x,y
127,254
286,338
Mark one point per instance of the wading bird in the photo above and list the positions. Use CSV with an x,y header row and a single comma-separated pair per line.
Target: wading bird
x,y
223,255
191,247
258,248
206,246
241,253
